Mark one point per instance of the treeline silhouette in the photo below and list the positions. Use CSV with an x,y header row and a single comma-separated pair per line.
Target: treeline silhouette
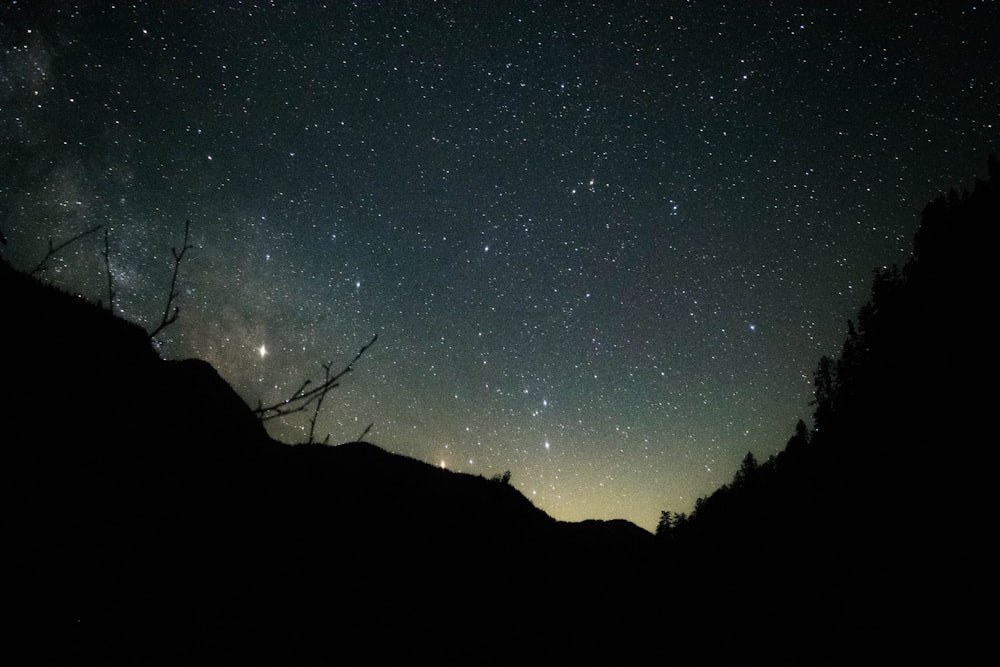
x,y
859,542
149,519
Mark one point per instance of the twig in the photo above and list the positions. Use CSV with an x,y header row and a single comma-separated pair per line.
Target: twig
x,y
107,270
168,316
302,399
319,403
53,249
365,432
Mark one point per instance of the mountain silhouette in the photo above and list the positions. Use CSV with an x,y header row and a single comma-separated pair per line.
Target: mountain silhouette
x,y
152,519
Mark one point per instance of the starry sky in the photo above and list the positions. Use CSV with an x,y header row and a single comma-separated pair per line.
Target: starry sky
x,y
603,244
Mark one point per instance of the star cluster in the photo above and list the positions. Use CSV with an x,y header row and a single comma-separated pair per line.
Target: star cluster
x,y
603,244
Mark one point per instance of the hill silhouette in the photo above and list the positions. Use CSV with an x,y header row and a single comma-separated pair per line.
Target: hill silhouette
x,y
149,518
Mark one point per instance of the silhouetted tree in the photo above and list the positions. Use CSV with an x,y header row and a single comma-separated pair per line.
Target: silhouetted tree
x,y
665,523
800,439
502,479
825,391
746,472
851,357
665,527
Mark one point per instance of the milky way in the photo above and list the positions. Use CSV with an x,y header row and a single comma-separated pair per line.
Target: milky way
x,y
603,245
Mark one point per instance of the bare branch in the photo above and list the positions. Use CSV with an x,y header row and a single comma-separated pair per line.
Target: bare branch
x,y
365,432
107,270
302,398
298,392
55,249
169,317
319,404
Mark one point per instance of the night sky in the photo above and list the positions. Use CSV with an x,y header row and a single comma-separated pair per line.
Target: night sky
x,y
603,244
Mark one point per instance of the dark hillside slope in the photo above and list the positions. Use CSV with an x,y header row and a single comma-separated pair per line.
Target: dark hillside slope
x,y
863,540
149,518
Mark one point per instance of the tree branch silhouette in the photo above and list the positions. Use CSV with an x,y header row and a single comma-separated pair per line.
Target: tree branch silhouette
x,y
319,404
107,271
305,397
365,432
56,249
169,317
